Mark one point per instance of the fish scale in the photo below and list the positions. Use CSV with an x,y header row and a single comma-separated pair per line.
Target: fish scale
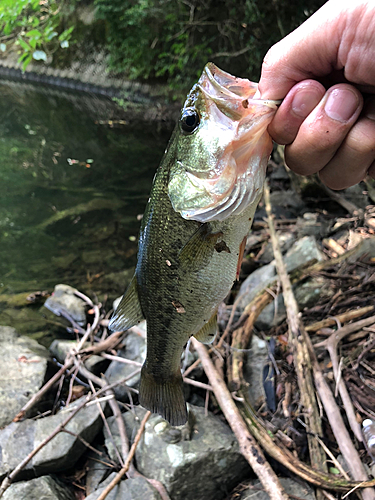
x,y
188,259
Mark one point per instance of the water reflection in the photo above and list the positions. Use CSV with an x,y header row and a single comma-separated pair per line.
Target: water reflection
x,y
70,191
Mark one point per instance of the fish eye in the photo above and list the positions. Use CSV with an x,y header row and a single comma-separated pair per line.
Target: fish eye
x,y
189,121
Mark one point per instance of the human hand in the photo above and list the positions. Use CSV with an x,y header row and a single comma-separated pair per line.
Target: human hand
x,y
332,131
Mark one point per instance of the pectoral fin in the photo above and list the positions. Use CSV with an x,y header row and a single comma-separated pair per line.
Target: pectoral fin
x,y
128,312
197,252
207,334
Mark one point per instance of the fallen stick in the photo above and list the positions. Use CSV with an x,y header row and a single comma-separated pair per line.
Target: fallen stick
x,y
331,344
342,318
302,363
248,446
38,396
128,461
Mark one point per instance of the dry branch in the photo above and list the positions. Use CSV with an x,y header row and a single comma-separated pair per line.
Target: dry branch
x,y
302,363
342,318
128,461
248,446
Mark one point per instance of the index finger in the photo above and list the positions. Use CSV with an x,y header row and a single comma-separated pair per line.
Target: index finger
x,y
310,51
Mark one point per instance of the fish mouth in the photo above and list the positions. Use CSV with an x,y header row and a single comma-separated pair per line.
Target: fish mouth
x,y
226,182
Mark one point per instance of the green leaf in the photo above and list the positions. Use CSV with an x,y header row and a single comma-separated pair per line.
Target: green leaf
x,y
65,34
34,34
64,44
24,45
26,62
334,470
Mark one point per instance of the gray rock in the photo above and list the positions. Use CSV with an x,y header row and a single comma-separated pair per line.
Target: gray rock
x,y
23,364
97,469
310,225
41,488
365,250
306,295
255,490
288,198
207,465
60,348
63,301
135,350
304,251
356,195
253,370
136,488
286,240
18,439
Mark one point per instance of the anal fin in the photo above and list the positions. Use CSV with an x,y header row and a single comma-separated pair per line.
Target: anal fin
x,y
207,333
128,312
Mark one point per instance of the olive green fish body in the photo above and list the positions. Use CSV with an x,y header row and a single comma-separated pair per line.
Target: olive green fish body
x,y
191,241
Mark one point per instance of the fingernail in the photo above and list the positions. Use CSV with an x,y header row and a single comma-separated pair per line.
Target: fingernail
x,y
341,104
304,102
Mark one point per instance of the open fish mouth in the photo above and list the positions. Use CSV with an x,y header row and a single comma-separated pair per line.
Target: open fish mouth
x,y
221,164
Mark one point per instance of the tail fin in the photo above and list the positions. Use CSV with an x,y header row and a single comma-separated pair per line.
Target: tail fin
x,y
165,397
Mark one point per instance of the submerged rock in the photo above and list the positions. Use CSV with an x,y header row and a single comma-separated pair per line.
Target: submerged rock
x,y
23,365
63,301
41,488
18,439
198,461
136,488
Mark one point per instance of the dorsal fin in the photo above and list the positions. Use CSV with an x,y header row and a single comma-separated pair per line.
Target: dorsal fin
x,y
128,312
207,333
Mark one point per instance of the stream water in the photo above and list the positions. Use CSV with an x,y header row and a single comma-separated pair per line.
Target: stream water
x,y
72,188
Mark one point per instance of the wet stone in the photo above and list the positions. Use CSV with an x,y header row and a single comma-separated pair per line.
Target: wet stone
x,y
134,349
303,251
41,488
197,461
136,488
18,439
60,348
64,301
23,365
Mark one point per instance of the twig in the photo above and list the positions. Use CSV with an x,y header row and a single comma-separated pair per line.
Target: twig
x,y
119,359
248,446
129,458
341,200
115,410
301,356
109,343
37,397
331,346
8,480
333,413
343,318
241,337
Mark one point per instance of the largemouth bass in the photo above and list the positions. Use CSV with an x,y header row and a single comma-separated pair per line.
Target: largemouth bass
x,y
194,229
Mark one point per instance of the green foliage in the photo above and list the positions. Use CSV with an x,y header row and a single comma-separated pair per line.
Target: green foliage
x,y
36,26
173,40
